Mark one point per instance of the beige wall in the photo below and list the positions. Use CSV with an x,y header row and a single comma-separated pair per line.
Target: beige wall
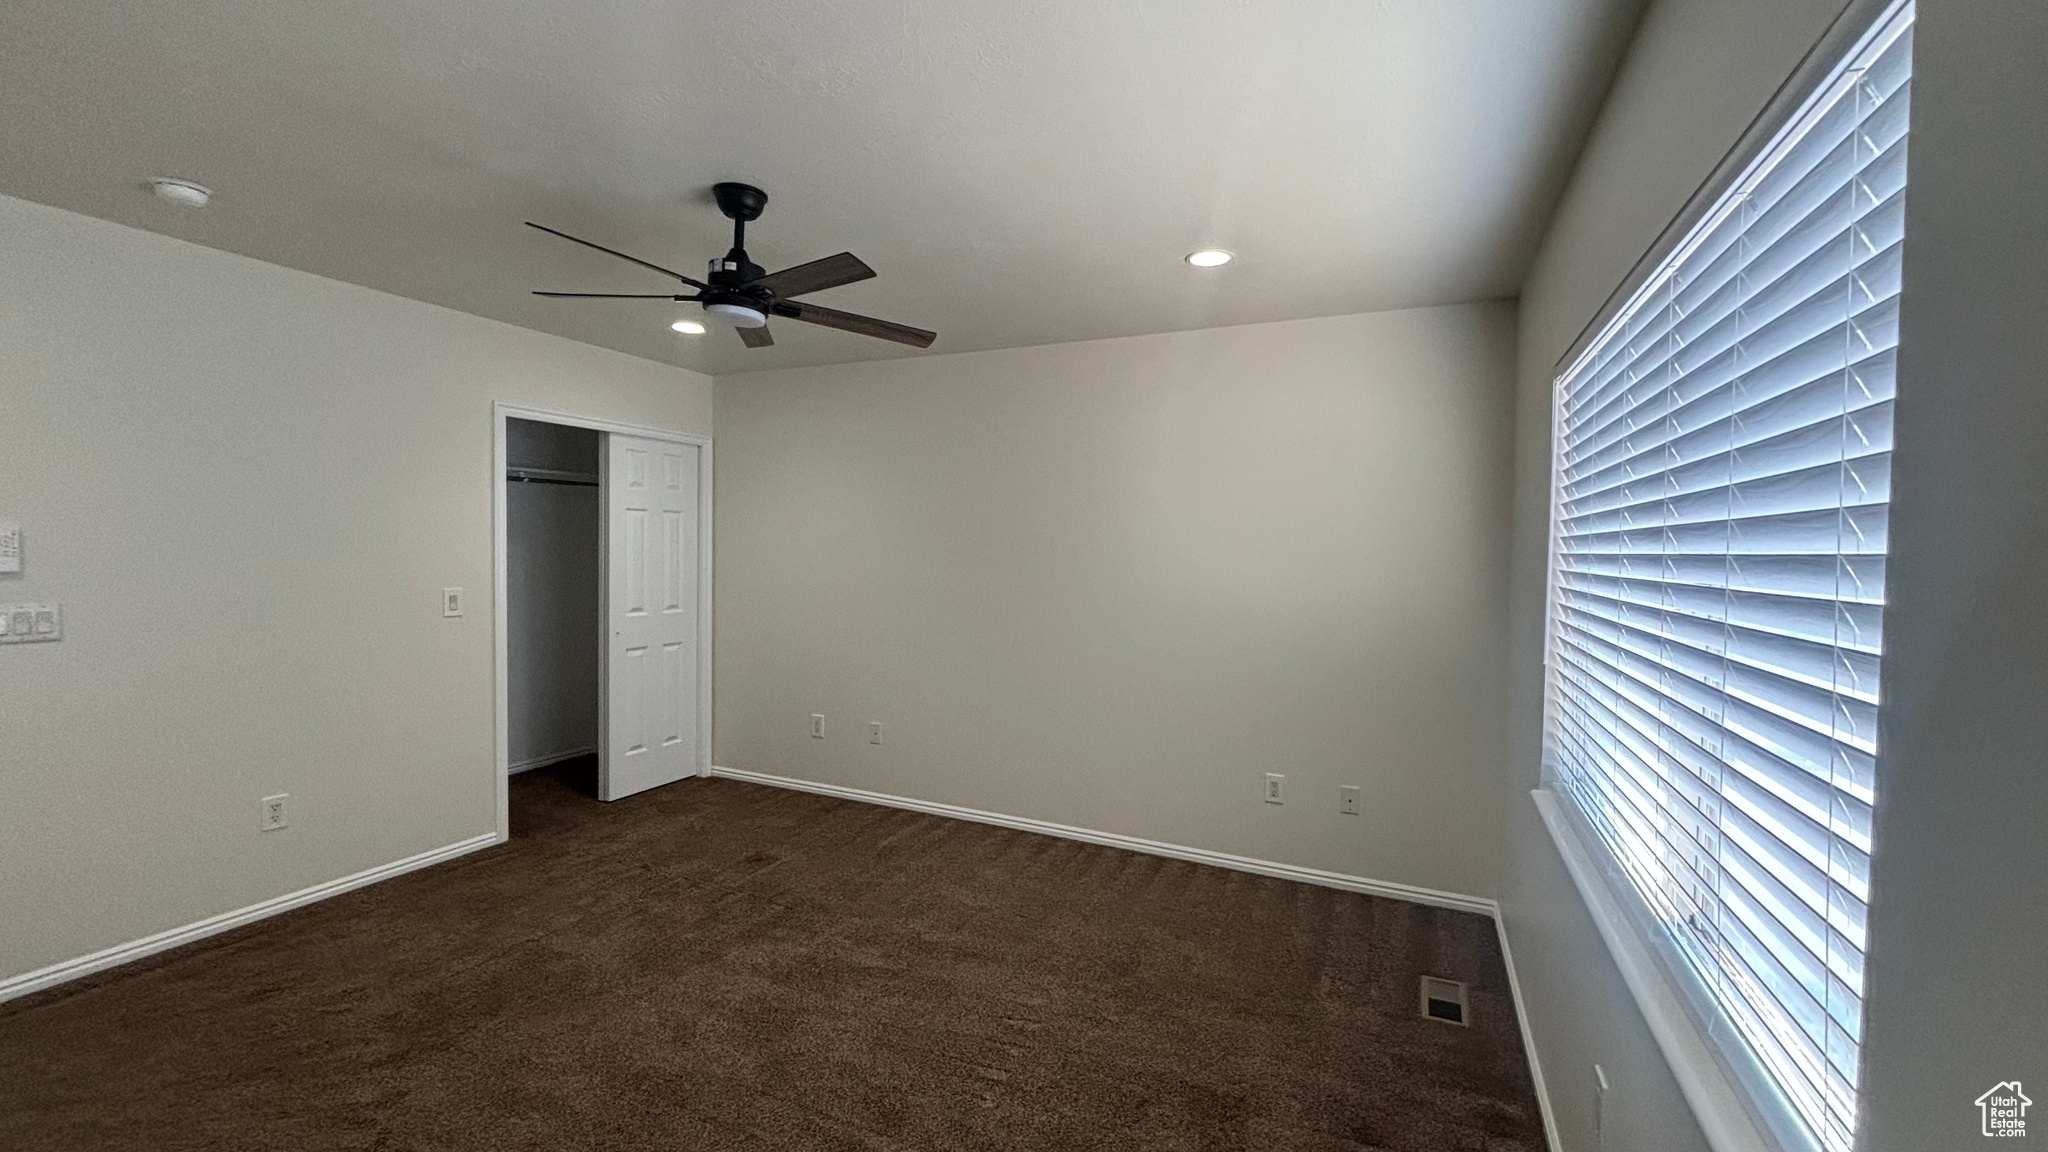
x,y
247,486
1110,584
1697,72
1958,974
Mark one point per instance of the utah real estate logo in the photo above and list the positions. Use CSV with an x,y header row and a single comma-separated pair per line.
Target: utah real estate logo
x,y
2004,1109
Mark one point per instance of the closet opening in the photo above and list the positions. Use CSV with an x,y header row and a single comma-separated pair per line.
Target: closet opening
x,y
554,600
602,550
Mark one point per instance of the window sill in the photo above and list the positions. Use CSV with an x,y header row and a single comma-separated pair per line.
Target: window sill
x,y
1722,1103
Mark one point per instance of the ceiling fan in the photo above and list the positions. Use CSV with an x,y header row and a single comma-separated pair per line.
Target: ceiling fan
x,y
739,294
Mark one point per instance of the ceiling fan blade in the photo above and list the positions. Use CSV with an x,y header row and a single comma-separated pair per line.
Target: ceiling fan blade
x,y
755,337
848,322
816,276
620,255
615,295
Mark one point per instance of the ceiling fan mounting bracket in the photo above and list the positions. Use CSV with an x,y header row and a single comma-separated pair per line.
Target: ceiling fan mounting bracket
x,y
742,202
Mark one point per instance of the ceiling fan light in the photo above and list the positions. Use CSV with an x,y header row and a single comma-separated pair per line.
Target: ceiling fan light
x,y
736,315
688,327
1209,258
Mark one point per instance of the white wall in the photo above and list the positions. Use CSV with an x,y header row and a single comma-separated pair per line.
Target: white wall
x,y
1697,72
1110,584
553,630
247,486
1958,971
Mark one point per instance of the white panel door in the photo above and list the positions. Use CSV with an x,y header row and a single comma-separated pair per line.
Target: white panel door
x,y
651,574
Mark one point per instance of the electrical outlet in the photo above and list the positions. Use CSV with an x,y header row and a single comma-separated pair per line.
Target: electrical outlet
x,y
817,726
451,601
874,731
274,813
1347,799
1274,781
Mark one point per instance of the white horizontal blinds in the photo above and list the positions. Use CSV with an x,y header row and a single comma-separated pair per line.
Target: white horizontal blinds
x,y
1722,471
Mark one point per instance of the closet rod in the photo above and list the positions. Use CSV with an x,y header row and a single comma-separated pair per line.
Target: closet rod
x,y
543,476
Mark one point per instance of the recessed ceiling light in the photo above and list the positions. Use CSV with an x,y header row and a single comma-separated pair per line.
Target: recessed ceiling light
x,y
181,192
1209,258
688,327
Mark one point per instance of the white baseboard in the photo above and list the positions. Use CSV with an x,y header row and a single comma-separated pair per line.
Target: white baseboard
x,y
1507,959
1345,881
41,978
532,762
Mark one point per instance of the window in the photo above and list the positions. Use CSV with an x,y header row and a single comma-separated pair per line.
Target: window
x,y
1721,474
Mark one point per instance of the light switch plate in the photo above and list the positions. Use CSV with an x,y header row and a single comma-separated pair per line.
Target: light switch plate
x,y
451,601
31,623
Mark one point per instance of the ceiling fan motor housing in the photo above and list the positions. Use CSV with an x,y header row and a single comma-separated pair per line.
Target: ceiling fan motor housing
x,y
730,299
735,268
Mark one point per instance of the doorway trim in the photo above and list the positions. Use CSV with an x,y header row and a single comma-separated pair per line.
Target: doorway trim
x,y
501,411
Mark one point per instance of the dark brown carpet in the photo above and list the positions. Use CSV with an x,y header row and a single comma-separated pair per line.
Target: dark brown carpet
x,y
716,965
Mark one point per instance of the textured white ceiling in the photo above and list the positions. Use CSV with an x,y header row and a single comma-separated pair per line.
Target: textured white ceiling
x,y
1022,172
